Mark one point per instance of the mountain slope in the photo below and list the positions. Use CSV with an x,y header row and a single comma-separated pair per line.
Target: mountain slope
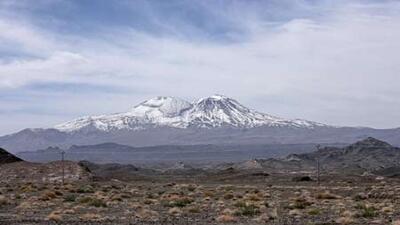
x,y
214,111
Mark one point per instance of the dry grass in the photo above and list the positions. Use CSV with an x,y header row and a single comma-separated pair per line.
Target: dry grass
x,y
90,217
48,195
193,209
295,213
226,219
146,214
345,220
246,209
55,216
175,211
326,195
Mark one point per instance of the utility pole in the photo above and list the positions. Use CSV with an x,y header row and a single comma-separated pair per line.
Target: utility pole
x,y
62,166
318,166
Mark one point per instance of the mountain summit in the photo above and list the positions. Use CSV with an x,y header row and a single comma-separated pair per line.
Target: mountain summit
x,y
211,112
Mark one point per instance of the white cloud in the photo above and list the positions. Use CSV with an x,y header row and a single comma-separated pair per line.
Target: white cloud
x,y
339,68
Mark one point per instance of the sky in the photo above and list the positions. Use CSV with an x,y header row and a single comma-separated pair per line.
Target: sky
x,y
335,62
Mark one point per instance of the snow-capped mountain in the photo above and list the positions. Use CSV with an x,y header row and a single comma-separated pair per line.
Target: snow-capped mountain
x,y
168,121
210,112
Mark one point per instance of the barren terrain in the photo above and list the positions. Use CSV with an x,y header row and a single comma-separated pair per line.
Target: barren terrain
x,y
220,198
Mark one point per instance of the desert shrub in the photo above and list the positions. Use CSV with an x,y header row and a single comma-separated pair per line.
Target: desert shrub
x,y
367,211
228,196
209,193
226,219
85,200
28,188
301,179
247,210
69,198
253,197
175,211
300,203
314,212
17,196
147,201
360,196
97,203
240,204
3,201
240,196
182,202
90,217
47,195
86,189
326,195
54,216
345,220
150,195
146,214
117,198
194,209
191,188
113,186
228,188
125,195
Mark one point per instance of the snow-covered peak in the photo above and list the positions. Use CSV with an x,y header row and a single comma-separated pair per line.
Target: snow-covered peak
x,y
161,106
210,112
216,97
219,110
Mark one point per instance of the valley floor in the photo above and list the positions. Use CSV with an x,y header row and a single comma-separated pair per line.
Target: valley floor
x,y
241,199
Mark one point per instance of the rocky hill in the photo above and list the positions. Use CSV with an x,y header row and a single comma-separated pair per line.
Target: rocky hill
x,y
6,157
368,155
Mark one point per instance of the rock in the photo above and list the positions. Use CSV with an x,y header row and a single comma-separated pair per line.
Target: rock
x,y
302,179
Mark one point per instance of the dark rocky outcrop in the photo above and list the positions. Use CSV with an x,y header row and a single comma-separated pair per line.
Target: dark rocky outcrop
x,y
369,155
6,157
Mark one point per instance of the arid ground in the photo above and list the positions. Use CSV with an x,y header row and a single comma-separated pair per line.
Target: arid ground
x,y
220,198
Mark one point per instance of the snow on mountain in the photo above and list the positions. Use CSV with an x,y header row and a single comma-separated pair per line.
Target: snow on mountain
x,y
161,107
159,111
219,110
214,111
